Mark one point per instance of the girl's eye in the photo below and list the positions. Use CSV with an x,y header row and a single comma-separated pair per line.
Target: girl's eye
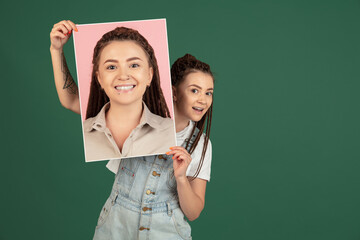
x,y
209,93
134,65
194,90
111,67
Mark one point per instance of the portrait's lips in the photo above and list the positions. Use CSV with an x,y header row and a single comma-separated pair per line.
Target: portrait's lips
x,y
198,109
125,87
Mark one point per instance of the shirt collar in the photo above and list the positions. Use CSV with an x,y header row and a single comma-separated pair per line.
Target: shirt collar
x,y
147,118
151,119
98,122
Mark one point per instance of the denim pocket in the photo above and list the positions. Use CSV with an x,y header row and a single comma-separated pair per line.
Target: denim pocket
x,y
127,172
104,213
181,225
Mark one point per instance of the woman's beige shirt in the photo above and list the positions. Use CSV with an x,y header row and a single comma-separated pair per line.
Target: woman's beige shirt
x,y
154,135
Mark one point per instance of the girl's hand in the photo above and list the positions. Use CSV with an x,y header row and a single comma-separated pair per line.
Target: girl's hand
x,y
181,161
60,34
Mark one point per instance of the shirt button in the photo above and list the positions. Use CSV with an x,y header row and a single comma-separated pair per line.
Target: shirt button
x,y
154,173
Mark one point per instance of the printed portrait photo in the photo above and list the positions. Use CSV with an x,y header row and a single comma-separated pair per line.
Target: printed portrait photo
x,y
125,89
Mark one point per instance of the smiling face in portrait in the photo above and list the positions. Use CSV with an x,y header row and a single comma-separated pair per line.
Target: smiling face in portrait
x,y
194,95
124,72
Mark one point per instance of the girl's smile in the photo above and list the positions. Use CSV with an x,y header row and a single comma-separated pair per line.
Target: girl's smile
x,y
124,72
198,110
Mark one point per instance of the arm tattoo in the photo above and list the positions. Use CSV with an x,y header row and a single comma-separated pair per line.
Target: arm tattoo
x,y
69,83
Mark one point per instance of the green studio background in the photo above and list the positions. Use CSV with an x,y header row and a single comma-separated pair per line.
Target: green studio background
x,y
285,128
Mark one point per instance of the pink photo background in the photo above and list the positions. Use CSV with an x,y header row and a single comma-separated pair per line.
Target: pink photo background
x,y
88,35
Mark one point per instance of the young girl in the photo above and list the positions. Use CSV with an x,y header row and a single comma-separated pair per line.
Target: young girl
x,y
142,204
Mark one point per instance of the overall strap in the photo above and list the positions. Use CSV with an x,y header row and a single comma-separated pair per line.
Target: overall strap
x,y
191,140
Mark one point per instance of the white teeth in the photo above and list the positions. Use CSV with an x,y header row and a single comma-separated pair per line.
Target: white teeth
x,y
124,87
199,109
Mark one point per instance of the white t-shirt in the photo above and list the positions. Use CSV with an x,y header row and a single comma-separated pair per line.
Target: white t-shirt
x,y
204,173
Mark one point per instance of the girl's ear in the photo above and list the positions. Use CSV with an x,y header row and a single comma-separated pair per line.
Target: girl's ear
x,y
174,93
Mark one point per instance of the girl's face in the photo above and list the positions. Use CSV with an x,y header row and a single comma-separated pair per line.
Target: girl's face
x,y
194,95
124,72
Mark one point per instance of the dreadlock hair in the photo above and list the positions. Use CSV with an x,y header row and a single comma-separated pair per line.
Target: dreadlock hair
x,y
179,70
153,96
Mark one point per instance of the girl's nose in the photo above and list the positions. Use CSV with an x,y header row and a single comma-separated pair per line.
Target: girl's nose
x,y
202,99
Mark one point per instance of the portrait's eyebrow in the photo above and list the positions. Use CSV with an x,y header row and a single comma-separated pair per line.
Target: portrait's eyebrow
x,y
194,85
133,58
128,60
110,60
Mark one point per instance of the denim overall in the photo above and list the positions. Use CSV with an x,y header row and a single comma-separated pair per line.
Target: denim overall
x,y
143,203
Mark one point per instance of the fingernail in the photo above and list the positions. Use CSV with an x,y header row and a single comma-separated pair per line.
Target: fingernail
x,y
69,32
167,153
76,29
171,148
